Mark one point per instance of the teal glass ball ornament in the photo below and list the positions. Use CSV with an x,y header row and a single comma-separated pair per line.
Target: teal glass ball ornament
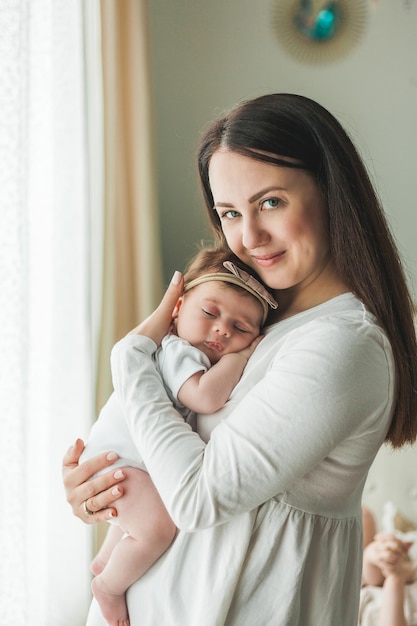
x,y
320,26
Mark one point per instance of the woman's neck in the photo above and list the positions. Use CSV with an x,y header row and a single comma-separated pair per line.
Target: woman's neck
x,y
301,298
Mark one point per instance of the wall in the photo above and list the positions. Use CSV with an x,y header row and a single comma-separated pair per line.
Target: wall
x,y
209,55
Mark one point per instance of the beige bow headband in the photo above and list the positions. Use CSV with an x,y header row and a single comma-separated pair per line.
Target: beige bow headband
x,y
242,279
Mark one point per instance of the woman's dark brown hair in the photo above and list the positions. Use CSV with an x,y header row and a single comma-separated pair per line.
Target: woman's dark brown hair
x,y
276,127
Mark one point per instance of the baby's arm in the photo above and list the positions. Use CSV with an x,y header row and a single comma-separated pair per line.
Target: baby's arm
x,y
392,607
397,574
206,392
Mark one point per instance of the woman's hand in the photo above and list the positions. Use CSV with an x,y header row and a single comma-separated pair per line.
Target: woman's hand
x,y
157,325
250,349
91,499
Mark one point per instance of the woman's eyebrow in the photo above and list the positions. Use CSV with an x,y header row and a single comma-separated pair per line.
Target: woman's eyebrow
x,y
252,199
258,195
223,205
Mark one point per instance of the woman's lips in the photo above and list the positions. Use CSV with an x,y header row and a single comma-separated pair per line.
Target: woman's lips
x,y
268,261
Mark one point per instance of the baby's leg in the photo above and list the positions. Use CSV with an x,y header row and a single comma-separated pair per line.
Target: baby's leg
x,y
113,536
150,531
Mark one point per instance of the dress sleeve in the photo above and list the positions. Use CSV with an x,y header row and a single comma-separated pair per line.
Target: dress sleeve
x,y
320,388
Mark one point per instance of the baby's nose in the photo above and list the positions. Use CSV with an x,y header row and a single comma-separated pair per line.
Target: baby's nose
x,y
223,328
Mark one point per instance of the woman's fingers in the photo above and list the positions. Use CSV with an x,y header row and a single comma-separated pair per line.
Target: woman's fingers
x,y
249,350
98,507
70,467
91,495
75,474
157,325
73,454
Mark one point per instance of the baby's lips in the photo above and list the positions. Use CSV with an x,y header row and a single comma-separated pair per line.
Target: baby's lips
x,y
215,345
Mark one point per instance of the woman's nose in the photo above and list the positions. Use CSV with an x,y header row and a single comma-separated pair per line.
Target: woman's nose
x,y
253,235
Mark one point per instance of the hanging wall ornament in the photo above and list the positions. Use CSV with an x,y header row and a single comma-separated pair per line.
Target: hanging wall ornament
x,y
319,31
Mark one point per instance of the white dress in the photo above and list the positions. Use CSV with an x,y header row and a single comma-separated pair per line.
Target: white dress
x,y
269,510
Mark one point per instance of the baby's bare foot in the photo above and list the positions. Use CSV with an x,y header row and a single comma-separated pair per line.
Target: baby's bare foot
x,y
113,607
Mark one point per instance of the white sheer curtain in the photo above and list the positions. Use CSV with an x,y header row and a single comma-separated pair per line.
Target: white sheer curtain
x,y
46,307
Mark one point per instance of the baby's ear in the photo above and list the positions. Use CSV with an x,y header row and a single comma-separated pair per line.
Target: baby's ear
x,y
177,309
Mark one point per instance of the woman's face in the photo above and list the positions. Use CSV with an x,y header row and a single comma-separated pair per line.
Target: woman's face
x,y
273,218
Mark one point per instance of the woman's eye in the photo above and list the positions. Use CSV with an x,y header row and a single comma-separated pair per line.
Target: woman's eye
x,y
271,203
229,215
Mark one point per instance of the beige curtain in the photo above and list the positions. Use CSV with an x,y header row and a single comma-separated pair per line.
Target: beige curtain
x,y
132,261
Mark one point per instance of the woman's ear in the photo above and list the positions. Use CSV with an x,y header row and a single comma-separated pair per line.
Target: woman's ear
x,y
177,308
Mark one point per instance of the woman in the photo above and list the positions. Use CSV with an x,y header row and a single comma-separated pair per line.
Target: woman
x,y
269,510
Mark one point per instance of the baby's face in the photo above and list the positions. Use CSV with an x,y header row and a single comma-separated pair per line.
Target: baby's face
x,y
218,319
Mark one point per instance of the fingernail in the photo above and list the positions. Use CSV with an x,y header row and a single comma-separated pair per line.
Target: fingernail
x,y
116,491
176,278
111,456
118,474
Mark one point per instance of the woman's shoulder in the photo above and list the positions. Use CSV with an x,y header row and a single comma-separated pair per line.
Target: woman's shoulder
x,y
342,311
340,346
342,324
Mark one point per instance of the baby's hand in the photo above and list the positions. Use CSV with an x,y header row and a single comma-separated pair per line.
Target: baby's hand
x,y
403,570
396,561
249,350
392,549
